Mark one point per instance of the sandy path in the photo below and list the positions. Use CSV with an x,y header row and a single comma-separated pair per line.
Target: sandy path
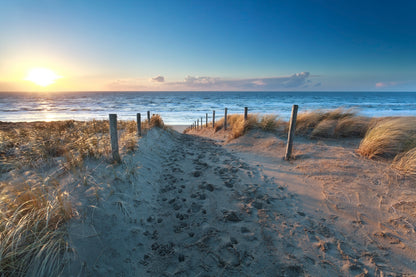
x,y
186,206
190,208
365,210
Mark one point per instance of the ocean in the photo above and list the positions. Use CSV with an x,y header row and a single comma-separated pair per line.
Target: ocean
x,y
183,108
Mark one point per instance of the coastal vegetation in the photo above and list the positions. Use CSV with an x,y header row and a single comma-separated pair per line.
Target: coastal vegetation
x,y
389,138
238,126
34,205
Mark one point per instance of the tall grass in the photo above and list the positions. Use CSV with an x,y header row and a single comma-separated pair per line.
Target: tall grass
x,y
332,124
389,137
156,121
32,233
238,126
406,162
35,144
33,210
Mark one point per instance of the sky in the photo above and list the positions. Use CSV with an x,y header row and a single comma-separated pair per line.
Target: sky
x,y
281,45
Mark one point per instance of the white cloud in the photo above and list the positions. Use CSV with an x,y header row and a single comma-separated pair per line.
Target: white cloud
x,y
295,81
385,84
158,79
200,80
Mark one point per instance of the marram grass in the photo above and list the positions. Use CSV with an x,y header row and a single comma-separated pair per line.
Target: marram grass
x,y
35,144
32,231
389,137
34,211
337,123
406,162
238,126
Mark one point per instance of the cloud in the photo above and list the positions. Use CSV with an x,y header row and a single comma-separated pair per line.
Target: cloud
x,y
200,80
158,79
295,81
385,84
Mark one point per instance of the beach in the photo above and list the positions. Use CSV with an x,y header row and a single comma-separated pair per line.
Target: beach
x,y
204,204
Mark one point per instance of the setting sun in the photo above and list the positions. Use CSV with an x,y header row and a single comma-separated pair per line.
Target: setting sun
x,y
42,76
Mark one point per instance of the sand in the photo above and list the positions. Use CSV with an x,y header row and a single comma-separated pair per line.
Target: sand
x,y
178,128
201,205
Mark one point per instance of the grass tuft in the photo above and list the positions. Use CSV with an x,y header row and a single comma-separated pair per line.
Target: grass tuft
x,y
389,137
406,162
40,143
156,121
331,124
238,126
33,210
32,233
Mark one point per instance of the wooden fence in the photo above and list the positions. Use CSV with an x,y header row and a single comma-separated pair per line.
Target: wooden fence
x,y
197,125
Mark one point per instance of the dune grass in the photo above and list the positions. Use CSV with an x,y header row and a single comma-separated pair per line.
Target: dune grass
x,y
34,210
406,162
39,143
32,233
388,137
238,126
331,124
156,121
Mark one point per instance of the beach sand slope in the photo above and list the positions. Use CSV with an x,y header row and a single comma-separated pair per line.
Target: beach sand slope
x,y
186,205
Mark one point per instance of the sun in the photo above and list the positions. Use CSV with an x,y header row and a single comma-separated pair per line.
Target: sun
x,y
42,76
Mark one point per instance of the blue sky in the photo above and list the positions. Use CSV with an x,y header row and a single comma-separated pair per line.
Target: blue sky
x,y
210,45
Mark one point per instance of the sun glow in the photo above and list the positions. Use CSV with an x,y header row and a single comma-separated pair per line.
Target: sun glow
x,y
42,76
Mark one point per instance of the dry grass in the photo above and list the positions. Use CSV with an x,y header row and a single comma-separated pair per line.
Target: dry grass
x,y
238,126
406,162
156,121
389,137
33,210
32,233
35,144
331,124
338,123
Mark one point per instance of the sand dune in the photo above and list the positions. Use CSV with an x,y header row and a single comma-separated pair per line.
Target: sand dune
x,y
189,206
204,205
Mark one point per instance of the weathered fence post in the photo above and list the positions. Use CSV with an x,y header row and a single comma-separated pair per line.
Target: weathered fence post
x,y
148,117
114,138
245,113
213,119
139,124
197,124
291,134
225,119
206,120
202,124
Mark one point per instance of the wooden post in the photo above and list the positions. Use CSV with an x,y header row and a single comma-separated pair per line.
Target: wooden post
x,y
213,119
202,124
139,124
291,134
225,119
114,138
206,120
245,113
197,124
148,117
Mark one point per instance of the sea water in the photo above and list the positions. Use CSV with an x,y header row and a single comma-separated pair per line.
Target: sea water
x,y
186,107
